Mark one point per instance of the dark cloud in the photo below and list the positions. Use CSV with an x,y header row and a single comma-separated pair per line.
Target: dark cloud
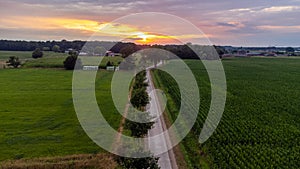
x,y
226,24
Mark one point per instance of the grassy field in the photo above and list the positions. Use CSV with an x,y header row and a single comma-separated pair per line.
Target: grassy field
x,y
49,59
260,127
57,62
37,117
23,55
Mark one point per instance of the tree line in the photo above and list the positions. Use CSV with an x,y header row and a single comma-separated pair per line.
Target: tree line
x,y
11,45
139,99
125,48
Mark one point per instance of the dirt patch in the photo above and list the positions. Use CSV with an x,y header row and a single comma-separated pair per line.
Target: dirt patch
x,y
2,64
101,161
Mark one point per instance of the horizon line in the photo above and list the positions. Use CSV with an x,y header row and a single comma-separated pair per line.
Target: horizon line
x,y
229,45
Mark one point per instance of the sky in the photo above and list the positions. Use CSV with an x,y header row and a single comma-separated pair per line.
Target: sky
x,y
223,22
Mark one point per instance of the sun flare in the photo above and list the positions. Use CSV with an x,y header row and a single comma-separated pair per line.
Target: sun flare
x,y
143,37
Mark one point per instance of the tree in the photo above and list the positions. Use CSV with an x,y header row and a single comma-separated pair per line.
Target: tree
x,y
220,50
14,62
128,50
139,98
73,52
148,162
37,53
55,48
139,163
139,129
99,50
109,64
289,50
70,62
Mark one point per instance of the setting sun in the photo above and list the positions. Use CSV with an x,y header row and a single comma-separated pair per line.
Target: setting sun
x,y
143,37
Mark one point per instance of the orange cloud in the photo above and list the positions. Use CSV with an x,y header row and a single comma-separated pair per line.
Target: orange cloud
x,y
98,29
50,23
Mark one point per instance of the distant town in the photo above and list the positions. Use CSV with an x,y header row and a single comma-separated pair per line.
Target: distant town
x,y
231,51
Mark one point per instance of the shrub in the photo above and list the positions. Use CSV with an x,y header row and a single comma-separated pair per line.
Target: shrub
x,y
70,63
14,61
109,64
37,53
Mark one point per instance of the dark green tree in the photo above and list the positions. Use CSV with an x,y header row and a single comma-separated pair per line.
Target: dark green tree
x,y
139,98
37,53
70,62
13,61
149,162
109,64
290,50
220,50
139,129
128,50
139,163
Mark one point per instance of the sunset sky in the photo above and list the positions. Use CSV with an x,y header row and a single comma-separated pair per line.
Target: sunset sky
x,y
224,22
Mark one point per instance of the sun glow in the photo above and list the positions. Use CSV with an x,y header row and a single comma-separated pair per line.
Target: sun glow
x,y
142,37
121,31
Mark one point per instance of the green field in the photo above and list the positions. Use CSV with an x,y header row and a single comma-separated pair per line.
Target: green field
x,y
37,118
49,59
23,55
260,127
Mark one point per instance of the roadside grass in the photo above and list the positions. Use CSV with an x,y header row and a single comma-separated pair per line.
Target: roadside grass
x,y
260,124
37,118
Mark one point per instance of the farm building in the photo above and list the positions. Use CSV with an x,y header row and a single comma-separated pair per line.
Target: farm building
x,y
83,54
90,67
112,54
